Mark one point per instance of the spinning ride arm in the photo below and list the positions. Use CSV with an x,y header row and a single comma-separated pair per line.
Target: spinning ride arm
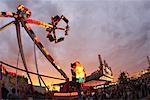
x,y
39,23
51,27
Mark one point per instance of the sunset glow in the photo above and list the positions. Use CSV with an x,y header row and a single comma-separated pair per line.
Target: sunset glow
x,y
118,30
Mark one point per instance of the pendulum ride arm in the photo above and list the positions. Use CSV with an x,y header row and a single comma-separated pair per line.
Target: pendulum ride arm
x,y
41,47
21,48
49,27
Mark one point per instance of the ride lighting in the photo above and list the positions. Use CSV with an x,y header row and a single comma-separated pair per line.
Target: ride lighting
x,y
79,72
67,94
23,11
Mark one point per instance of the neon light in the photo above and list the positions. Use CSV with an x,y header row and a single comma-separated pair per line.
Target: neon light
x,y
28,27
23,11
15,15
20,7
58,67
36,39
62,16
39,23
67,94
45,51
9,14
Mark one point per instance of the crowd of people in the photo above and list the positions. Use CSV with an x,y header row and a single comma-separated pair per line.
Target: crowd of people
x,y
5,94
14,94
132,90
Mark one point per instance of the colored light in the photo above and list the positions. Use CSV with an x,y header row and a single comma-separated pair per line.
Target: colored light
x,y
67,94
79,71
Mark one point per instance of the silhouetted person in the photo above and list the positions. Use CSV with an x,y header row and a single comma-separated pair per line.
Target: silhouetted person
x,y
13,95
4,92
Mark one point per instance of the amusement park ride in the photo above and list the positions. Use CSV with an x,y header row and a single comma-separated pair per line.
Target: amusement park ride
x,y
22,16
102,74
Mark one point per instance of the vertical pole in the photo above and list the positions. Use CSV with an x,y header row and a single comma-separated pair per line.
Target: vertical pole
x,y
1,77
21,48
44,83
148,61
79,90
100,60
16,72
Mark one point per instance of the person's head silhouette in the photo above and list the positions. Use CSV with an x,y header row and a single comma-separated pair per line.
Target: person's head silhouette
x,y
13,90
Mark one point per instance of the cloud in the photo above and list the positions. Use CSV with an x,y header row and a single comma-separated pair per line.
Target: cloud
x,y
117,29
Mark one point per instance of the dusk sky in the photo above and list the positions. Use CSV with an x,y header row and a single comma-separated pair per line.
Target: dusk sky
x,y
119,30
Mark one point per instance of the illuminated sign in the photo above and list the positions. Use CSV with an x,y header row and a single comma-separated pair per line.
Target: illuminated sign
x,y
105,78
67,94
79,72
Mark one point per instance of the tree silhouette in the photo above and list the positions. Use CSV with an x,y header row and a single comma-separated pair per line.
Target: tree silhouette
x,y
123,78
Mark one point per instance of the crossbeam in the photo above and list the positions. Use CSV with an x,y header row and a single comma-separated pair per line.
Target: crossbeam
x,y
7,25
